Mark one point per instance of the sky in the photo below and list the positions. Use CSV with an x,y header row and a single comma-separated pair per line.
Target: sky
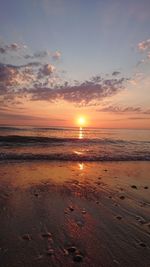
x,y
63,59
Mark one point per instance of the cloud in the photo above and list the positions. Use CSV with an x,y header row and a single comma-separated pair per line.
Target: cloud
x,y
16,76
115,73
13,47
56,55
46,70
40,81
82,94
121,110
144,45
22,117
139,118
39,54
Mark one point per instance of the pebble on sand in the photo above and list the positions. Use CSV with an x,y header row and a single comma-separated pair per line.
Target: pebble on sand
x,y
72,249
78,258
83,211
71,208
79,223
134,186
26,237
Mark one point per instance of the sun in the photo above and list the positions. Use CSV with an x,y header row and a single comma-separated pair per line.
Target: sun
x,y
81,121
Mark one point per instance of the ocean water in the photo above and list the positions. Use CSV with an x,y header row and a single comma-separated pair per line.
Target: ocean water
x,y
76,144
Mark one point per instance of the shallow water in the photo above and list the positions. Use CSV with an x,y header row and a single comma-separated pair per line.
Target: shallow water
x,y
85,144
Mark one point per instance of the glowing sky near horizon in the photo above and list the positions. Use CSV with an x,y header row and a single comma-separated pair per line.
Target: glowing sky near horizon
x,y
60,59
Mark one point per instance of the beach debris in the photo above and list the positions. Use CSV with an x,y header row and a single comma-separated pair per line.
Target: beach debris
x,y
122,197
134,186
142,244
78,258
145,187
26,237
50,252
118,217
47,235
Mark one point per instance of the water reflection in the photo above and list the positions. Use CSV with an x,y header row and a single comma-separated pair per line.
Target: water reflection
x,y
81,166
81,135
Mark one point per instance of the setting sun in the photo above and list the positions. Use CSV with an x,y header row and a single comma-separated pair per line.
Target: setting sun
x,y
81,121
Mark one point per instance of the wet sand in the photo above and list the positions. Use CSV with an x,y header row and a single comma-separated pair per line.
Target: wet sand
x,y
75,214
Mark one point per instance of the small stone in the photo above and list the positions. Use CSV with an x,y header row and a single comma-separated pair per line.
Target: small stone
x,y
145,187
47,235
50,252
142,244
26,237
78,258
83,211
134,186
72,249
122,197
66,253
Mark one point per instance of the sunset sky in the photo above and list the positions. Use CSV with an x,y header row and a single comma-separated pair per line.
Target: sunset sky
x,y
63,59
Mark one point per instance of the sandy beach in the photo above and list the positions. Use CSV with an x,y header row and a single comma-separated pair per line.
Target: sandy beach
x,y
75,214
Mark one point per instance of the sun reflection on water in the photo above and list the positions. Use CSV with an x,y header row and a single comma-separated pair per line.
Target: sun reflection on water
x,y
81,135
81,166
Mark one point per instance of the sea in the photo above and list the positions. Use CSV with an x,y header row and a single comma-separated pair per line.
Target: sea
x,y
73,144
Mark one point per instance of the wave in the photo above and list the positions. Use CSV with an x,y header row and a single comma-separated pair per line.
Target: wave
x,y
72,157
17,139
